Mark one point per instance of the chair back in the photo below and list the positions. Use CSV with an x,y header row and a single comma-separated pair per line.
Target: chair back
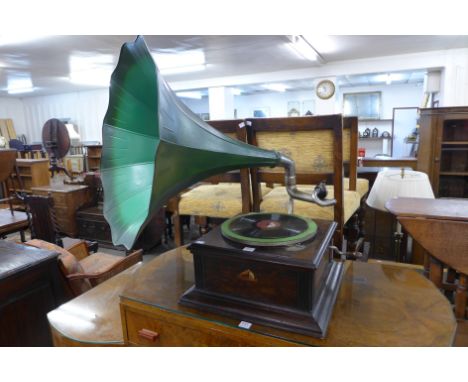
x,y
234,128
317,144
43,222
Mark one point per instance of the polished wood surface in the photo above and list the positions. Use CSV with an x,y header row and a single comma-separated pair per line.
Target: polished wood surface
x,y
440,226
445,208
9,223
68,199
390,162
378,305
93,318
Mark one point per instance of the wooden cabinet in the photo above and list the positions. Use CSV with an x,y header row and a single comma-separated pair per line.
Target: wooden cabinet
x,y
33,173
30,287
93,157
443,150
67,200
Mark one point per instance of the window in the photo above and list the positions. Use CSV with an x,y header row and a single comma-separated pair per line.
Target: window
x,y
362,105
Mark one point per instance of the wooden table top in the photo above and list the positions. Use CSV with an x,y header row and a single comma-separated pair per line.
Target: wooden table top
x,y
443,208
440,226
15,257
379,304
10,223
60,187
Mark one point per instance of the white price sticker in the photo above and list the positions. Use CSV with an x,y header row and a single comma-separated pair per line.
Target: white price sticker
x,y
248,249
199,242
245,325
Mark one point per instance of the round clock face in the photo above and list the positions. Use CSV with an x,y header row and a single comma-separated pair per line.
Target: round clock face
x,y
325,89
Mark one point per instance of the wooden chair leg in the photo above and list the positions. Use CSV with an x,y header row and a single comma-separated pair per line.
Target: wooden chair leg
x,y
178,231
436,272
427,263
460,297
451,275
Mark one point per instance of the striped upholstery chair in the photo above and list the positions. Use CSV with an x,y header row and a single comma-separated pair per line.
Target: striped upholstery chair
x,y
319,145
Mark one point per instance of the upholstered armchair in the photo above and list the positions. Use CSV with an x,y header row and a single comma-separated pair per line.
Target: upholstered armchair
x,y
82,270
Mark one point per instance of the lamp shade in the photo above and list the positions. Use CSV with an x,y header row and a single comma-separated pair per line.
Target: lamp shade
x,y
398,183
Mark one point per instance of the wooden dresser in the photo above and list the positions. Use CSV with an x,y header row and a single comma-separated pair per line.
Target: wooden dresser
x,y
30,287
67,200
379,304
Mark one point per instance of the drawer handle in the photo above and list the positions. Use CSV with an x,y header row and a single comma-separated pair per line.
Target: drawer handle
x,y
148,334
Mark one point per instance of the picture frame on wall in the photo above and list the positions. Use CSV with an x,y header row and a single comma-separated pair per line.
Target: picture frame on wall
x,y
261,112
294,108
308,107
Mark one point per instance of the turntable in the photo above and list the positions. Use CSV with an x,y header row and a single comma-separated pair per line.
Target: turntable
x,y
270,269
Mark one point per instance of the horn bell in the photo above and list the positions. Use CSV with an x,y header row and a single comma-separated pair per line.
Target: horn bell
x,y
154,146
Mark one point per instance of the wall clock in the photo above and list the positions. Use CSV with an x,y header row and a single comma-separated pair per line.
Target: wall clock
x,y
325,89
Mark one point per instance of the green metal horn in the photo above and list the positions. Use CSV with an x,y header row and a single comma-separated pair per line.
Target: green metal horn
x,y
154,146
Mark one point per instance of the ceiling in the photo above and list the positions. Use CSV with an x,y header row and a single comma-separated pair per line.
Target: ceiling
x,y
47,61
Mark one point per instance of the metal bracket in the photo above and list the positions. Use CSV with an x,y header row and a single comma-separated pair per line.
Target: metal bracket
x,y
356,255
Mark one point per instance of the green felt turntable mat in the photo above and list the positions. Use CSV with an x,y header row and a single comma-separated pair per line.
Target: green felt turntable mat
x,y
269,229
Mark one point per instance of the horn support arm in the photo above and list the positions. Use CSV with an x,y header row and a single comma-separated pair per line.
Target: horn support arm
x,y
293,191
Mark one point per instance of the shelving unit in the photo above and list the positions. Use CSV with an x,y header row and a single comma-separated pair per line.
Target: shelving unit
x,y
93,157
33,173
443,152
376,145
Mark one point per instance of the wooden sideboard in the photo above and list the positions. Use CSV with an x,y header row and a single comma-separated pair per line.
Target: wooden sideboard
x,y
30,286
68,199
379,304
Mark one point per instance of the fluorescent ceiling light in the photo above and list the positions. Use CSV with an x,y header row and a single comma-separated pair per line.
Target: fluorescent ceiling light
x,y
194,95
11,39
183,69
322,44
302,47
92,77
18,85
180,62
93,70
276,87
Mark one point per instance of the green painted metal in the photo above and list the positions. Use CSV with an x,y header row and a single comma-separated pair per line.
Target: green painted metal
x,y
154,146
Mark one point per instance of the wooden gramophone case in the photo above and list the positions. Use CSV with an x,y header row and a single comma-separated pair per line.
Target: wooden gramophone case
x,y
292,288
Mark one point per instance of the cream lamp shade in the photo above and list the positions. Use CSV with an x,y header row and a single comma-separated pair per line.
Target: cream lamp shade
x,y
398,183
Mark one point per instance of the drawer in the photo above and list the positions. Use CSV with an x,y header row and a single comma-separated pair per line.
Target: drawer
x,y
143,329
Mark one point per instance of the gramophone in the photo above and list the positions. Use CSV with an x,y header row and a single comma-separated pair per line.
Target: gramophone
x,y
154,147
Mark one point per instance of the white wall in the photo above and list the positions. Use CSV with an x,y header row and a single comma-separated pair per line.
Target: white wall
x,y
13,108
276,102
84,109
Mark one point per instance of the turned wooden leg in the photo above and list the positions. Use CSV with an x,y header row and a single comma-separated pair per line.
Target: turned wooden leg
x,y
460,297
178,231
436,272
